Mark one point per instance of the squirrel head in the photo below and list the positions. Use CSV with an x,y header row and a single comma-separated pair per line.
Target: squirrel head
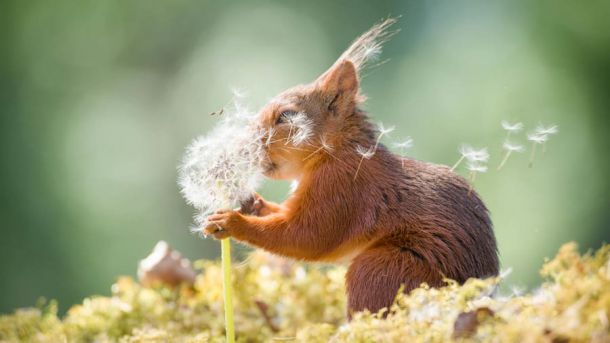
x,y
308,119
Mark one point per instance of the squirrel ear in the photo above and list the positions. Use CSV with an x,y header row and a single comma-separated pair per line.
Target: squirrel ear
x,y
340,83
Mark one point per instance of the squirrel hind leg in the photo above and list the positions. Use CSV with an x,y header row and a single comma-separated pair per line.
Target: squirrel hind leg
x,y
375,276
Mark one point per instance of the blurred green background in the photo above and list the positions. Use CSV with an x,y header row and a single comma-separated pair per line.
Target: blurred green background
x,y
99,98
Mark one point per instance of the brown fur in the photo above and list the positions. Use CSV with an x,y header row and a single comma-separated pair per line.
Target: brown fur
x,y
406,221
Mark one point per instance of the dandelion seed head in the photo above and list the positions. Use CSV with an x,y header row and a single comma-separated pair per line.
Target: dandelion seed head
x,y
223,168
366,153
508,146
513,128
406,144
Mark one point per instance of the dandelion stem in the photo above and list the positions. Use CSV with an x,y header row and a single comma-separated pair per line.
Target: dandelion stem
x,y
227,289
506,156
457,163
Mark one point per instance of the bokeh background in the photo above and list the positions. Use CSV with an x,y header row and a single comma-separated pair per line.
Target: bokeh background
x,y
98,100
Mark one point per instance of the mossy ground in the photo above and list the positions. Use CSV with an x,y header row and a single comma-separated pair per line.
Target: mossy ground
x,y
282,301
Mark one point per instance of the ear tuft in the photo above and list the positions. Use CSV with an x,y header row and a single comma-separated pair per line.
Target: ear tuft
x,y
340,84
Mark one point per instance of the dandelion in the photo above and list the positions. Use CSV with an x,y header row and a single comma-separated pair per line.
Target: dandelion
x,y
511,128
509,148
220,170
472,155
367,153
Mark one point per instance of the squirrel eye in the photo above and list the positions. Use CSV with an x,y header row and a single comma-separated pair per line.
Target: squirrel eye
x,y
284,116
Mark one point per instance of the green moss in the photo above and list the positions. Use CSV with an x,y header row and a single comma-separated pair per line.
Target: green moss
x,y
286,301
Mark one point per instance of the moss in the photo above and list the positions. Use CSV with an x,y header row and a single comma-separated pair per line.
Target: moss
x,y
275,299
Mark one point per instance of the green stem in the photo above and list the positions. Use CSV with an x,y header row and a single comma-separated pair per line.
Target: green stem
x,y
228,289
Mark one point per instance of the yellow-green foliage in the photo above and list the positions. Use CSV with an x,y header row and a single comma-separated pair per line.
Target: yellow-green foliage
x,y
278,300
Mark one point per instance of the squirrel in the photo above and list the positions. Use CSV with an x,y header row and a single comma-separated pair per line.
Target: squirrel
x,y
398,222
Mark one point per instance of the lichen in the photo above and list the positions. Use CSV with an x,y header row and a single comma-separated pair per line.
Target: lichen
x,y
286,301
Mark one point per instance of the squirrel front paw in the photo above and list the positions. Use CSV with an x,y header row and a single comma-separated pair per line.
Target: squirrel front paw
x,y
221,223
255,206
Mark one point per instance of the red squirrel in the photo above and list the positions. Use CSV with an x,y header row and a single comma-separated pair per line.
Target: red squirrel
x,y
395,220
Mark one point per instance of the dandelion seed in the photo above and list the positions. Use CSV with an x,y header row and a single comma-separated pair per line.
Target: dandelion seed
x,y
383,131
546,131
511,128
477,168
474,168
536,138
325,144
517,291
301,129
368,153
404,145
505,273
238,94
472,155
478,155
509,148
550,130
